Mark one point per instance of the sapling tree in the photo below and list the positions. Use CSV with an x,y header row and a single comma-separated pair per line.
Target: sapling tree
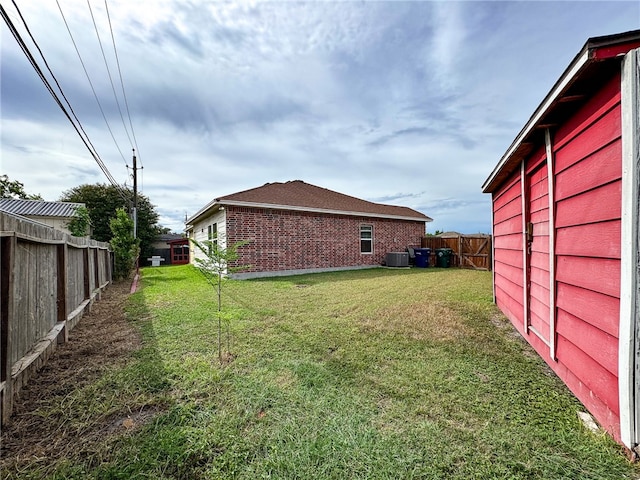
x,y
216,262
125,247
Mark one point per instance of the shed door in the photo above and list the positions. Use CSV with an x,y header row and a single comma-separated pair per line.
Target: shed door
x,y
537,245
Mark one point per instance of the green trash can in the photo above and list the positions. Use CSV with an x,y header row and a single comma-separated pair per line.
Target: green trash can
x,y
443,257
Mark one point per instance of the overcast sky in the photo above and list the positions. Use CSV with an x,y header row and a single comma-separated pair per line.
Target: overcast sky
x,y
406,103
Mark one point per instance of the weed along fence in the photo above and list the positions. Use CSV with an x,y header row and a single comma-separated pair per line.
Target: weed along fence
x,y
469,251
49,279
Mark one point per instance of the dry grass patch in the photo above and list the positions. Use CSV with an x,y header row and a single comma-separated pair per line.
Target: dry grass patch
x,y
50,421
426,320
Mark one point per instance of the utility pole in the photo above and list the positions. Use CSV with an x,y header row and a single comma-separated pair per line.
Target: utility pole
x,y
135,196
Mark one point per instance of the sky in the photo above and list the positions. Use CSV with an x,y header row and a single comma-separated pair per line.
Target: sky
x,y
404,103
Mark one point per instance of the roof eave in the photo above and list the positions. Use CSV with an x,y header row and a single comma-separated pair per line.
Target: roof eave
x,y
203,211
595,49
238,203
568,77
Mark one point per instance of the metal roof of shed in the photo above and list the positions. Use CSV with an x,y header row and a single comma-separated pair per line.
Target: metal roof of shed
x,y
39,208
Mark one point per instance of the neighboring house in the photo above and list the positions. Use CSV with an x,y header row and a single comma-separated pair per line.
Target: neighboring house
x,y
295,227
566,231
173,247
53,214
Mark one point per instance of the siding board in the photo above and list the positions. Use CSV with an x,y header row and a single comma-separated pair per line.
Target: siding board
x,y
591,240
598,274
584,336
510,257
597,169
509,226
510,210
512,288
606,98
596,309
597,136
602,383
509,242
510,272
598,205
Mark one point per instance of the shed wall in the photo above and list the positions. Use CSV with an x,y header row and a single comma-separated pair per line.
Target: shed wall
x,y
587,168
507,250
290,240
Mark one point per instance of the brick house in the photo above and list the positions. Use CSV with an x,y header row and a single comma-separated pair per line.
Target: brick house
x,y
295,227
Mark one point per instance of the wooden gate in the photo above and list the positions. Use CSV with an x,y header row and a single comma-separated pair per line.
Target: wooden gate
x,y
475,251
469,251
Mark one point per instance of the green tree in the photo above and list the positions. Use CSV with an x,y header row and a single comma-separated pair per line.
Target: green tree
x,y
80,224
215,266
15,189
102,201
124,245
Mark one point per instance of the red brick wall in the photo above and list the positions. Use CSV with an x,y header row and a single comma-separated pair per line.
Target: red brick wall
x,y
289,240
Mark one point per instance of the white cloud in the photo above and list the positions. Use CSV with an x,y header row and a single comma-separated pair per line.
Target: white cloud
x,y
371,99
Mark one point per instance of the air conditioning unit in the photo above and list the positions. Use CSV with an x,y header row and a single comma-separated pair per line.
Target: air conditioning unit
x,y
397,259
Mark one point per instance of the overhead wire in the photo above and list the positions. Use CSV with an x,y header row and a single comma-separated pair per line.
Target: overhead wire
x,y
124,94
106,64
55,79
90,82
80,131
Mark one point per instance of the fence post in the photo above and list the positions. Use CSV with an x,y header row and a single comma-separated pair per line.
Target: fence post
x,y
61,287
7,254
96,268
85,273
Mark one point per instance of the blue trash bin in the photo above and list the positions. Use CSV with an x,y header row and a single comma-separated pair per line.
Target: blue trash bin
x,y
422,257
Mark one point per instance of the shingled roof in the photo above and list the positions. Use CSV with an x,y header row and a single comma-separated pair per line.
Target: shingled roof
x,y
298,195
39,208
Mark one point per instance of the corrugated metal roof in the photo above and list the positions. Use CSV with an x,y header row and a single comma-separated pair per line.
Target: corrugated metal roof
x,y
39,208
299,195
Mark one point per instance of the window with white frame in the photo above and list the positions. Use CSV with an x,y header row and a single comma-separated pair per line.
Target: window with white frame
x,y
212,235
366,238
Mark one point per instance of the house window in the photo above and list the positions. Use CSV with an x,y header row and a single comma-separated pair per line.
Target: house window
x,y
212,236
366,238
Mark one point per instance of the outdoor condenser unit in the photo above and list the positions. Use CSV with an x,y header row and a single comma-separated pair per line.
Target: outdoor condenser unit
x,y
397,259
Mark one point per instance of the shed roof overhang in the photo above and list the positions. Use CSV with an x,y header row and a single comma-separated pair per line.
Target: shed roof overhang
x,y
599,57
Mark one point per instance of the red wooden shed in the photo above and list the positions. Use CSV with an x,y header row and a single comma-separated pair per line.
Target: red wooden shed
x,y
566,237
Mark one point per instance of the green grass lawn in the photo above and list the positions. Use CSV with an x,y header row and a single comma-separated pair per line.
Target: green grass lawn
x,y
364,374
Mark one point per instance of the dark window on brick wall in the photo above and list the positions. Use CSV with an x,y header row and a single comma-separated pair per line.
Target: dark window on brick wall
x,y
366,238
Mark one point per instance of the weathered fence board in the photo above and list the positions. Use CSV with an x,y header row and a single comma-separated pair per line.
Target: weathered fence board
x,y
48,281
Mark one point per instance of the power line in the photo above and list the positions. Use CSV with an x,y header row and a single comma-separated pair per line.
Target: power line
x,y
52,74
90,83
124,95
106,64
34,64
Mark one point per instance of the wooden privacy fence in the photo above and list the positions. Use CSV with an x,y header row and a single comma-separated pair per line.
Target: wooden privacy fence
x,y
469,251
49,279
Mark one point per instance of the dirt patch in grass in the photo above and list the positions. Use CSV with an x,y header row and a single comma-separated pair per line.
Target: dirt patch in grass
x,y
102,340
